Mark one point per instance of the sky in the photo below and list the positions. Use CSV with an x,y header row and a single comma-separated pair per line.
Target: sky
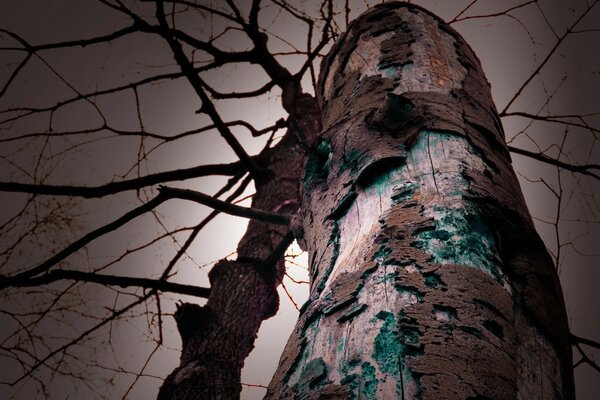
x,y
509,47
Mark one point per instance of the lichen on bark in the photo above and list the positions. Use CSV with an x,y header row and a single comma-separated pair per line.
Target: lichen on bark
x,y
427,277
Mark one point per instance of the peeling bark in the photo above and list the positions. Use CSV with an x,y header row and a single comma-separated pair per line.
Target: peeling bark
x,y
428,279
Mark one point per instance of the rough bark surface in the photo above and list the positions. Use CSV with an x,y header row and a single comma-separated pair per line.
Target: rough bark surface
x,y
428,279
217,337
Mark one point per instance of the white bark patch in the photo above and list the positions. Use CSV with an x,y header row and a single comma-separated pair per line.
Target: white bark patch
x,y
442,316
190,370
434,167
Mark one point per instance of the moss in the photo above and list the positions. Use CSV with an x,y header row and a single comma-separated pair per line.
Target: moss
x,y
460,236
352,382
334,240
318,164
313,374
369,382
353,161
387,346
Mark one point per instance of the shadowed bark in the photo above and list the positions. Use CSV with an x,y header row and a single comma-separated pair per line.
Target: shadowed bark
x,y
217,338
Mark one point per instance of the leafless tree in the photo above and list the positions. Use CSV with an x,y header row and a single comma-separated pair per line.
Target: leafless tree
x,y
130,128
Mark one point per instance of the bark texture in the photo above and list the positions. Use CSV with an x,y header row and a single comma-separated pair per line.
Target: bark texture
x,y
428,280
217,337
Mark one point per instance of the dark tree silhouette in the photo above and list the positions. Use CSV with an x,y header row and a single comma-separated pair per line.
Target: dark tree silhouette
x,y
120,126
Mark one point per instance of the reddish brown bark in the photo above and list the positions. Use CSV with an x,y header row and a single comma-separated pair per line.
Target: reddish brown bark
x,y
217,338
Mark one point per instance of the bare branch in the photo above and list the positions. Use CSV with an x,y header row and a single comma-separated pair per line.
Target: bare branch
x,y
121,186
585,169
578,339
198,85
114,280
6,281
491,15
62,348
225,207
550,54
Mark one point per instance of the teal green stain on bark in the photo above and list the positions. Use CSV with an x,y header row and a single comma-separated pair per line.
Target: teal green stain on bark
x,y
387,72
307,304
403,192
433,281
412,291
411,335
334,240
382,253
308,330
387,346
353,160
389,277
351,382
460,237
369,382
313,374
389,176
318,164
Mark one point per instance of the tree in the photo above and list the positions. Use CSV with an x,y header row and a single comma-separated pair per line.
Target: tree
x,y
218,336
429,280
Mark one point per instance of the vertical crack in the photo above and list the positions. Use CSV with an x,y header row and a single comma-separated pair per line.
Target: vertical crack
x,y
431,162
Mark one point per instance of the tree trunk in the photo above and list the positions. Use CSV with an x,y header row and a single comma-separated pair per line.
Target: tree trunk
x,y
217,337
428,279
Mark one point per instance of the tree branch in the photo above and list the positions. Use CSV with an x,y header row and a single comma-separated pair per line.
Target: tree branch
x,y
207,106
114,280
225,207
582,169
131,184
165,193
578,339
6,281
552,51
